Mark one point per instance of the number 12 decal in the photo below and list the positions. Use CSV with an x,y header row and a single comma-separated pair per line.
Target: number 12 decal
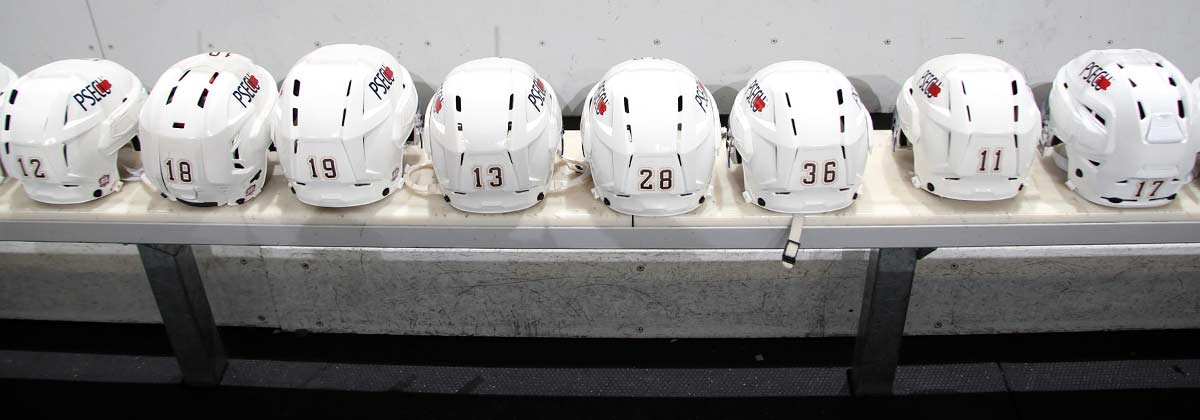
x,y
665,179
35,165
494,173
983,160
1142,187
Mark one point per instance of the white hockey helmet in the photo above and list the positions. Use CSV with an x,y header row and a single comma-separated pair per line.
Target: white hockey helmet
x,y
492,131
802,136
7,78
973,125
1124,124
650,136
75,161
205,130
341,123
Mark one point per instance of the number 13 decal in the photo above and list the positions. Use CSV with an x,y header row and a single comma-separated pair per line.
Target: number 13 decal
x,y
665,179
494,174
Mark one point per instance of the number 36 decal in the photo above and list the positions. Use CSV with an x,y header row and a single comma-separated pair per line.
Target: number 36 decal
x,y
811,171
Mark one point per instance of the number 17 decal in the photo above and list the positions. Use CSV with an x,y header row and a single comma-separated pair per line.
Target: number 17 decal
x,y
1154,185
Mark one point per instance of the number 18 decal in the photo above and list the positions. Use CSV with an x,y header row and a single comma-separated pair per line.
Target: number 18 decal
x,y
647,183
35,167
984,155
1154,186
178,170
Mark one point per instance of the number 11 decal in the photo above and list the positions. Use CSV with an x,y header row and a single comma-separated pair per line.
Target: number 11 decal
x,y
984,154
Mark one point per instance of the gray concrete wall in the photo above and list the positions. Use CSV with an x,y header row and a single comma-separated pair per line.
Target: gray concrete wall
x,y
616,293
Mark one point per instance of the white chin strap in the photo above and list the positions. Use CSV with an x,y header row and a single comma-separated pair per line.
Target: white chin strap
x,y
432,188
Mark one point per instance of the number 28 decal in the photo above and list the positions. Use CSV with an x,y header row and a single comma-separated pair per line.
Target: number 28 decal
x,y
664,182
34,168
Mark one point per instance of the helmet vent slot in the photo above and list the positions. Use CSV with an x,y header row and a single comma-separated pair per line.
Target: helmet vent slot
x,y
459,126
510,107
458,104
629,131
1120,66
348,85
296,87
1094,163
968,113
1171,80
295,117
1101,119
343,117
1016,142
6,150
964,87
1065,85
7,124
1141,111
1132,83
1016,113
1179,104
214,77
171,96
679,127
237,153
626,104
203,98
843,152
177,125
678,101
12,97
842,120
788,98
184,74
238,166
510,128
794,133
66,161
1014,87
839,95
1158,64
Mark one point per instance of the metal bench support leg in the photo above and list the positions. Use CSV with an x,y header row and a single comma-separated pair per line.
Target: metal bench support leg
x,y
175,281
881,320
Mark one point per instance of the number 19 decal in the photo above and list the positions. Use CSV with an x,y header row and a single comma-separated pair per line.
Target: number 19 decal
x,y
327,168
986,153
647,183
1154,186
494,175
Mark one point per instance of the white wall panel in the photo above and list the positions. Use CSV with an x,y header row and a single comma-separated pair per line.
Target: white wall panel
x,y
34,33
876,43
